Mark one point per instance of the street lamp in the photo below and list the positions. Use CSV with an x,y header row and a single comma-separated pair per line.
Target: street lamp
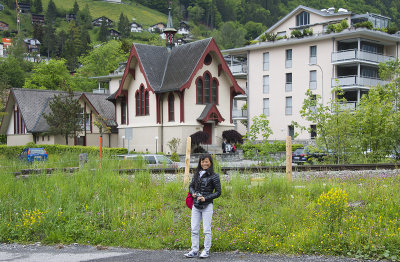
x,y
156,143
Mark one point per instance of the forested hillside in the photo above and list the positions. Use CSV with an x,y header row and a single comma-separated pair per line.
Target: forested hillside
x,y
267,12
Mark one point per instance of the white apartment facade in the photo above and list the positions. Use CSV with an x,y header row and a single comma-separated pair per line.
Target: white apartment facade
x,y
278,73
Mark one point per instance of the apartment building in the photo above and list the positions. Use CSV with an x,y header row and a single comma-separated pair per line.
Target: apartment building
x,y
276,73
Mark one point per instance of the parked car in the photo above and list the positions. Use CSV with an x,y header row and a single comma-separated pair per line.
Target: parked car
x,y
304,155
33,154
152,160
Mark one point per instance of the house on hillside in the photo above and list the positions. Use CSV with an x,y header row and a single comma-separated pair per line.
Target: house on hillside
x,y
25,8
184,28
37,19
24,122
1,7
136,28
70,17
98,21
173,92
3,26
278,73
32,45
157,28
114,1
114,34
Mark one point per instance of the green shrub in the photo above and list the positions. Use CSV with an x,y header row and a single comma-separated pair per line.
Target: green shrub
x,y
175,157
296,33
337,28
14,151
365,24
270,36
392,29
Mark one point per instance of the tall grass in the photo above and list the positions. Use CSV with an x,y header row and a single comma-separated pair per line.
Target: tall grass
x,y
350,216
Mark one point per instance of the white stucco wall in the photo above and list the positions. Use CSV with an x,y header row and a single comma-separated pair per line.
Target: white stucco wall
x,y
146,129
300,70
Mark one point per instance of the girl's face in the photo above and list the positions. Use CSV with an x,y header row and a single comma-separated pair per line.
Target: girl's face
x,y
205,163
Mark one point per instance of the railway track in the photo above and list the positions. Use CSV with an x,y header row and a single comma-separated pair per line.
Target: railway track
x,y
255,169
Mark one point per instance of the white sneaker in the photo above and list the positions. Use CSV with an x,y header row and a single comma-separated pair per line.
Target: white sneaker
x,y
204,254
191,254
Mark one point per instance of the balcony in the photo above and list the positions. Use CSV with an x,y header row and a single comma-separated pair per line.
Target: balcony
x,y
238,69
356,81
356,55
348,106
239,114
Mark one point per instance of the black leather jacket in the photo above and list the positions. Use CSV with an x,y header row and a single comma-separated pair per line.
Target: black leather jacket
x,y
209,185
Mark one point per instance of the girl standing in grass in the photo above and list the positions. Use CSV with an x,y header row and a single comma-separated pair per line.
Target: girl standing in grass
x,y
205,187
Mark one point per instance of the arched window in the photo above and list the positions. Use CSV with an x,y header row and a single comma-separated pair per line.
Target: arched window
x,y
137,98
147,103
199,91
214,92
171,114
142,101
207,88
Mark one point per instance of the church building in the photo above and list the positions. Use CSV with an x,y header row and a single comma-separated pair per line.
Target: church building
x,y
173,92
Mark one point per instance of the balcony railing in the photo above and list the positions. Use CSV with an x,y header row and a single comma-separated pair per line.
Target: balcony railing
x,y
238,68
239,113
348,106
354,54
346,81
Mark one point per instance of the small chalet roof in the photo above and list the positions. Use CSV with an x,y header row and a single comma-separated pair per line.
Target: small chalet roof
x,y
210,113
33,103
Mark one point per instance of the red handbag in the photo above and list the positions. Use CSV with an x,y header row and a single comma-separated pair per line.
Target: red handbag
x,y
189,200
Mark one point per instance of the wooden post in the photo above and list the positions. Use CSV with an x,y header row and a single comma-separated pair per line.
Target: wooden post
x,y
187,161
101,150
289,158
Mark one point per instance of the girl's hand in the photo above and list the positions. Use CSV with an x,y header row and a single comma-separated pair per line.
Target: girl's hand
x,y
201,199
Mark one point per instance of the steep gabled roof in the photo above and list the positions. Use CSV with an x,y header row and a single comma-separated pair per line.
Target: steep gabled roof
x,y
153,60
102,107
171,71
33,103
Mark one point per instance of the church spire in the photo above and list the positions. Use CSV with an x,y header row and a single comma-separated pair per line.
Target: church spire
x,y
170,31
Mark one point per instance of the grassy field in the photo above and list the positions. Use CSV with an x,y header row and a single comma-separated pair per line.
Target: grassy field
x,y
143,15
355,216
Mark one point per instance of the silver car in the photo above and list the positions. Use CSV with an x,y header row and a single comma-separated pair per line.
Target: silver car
x,y
152,160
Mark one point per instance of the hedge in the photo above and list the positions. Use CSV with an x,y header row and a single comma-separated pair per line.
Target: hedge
x,y
14,151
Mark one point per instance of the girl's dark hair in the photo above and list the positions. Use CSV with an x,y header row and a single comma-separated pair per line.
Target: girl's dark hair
x,y
210,169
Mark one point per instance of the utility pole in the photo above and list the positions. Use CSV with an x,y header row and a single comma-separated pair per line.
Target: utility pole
x,y
18,21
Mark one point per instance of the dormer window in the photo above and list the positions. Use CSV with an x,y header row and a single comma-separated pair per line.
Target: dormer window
x,y
303,19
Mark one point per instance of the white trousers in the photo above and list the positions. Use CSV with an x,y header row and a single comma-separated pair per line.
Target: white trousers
x,y
197,215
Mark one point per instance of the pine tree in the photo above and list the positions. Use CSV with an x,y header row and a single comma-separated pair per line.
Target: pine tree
x,y
64,118
38,32
49,47
124,26
38,6
103,34
75,10
51,13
